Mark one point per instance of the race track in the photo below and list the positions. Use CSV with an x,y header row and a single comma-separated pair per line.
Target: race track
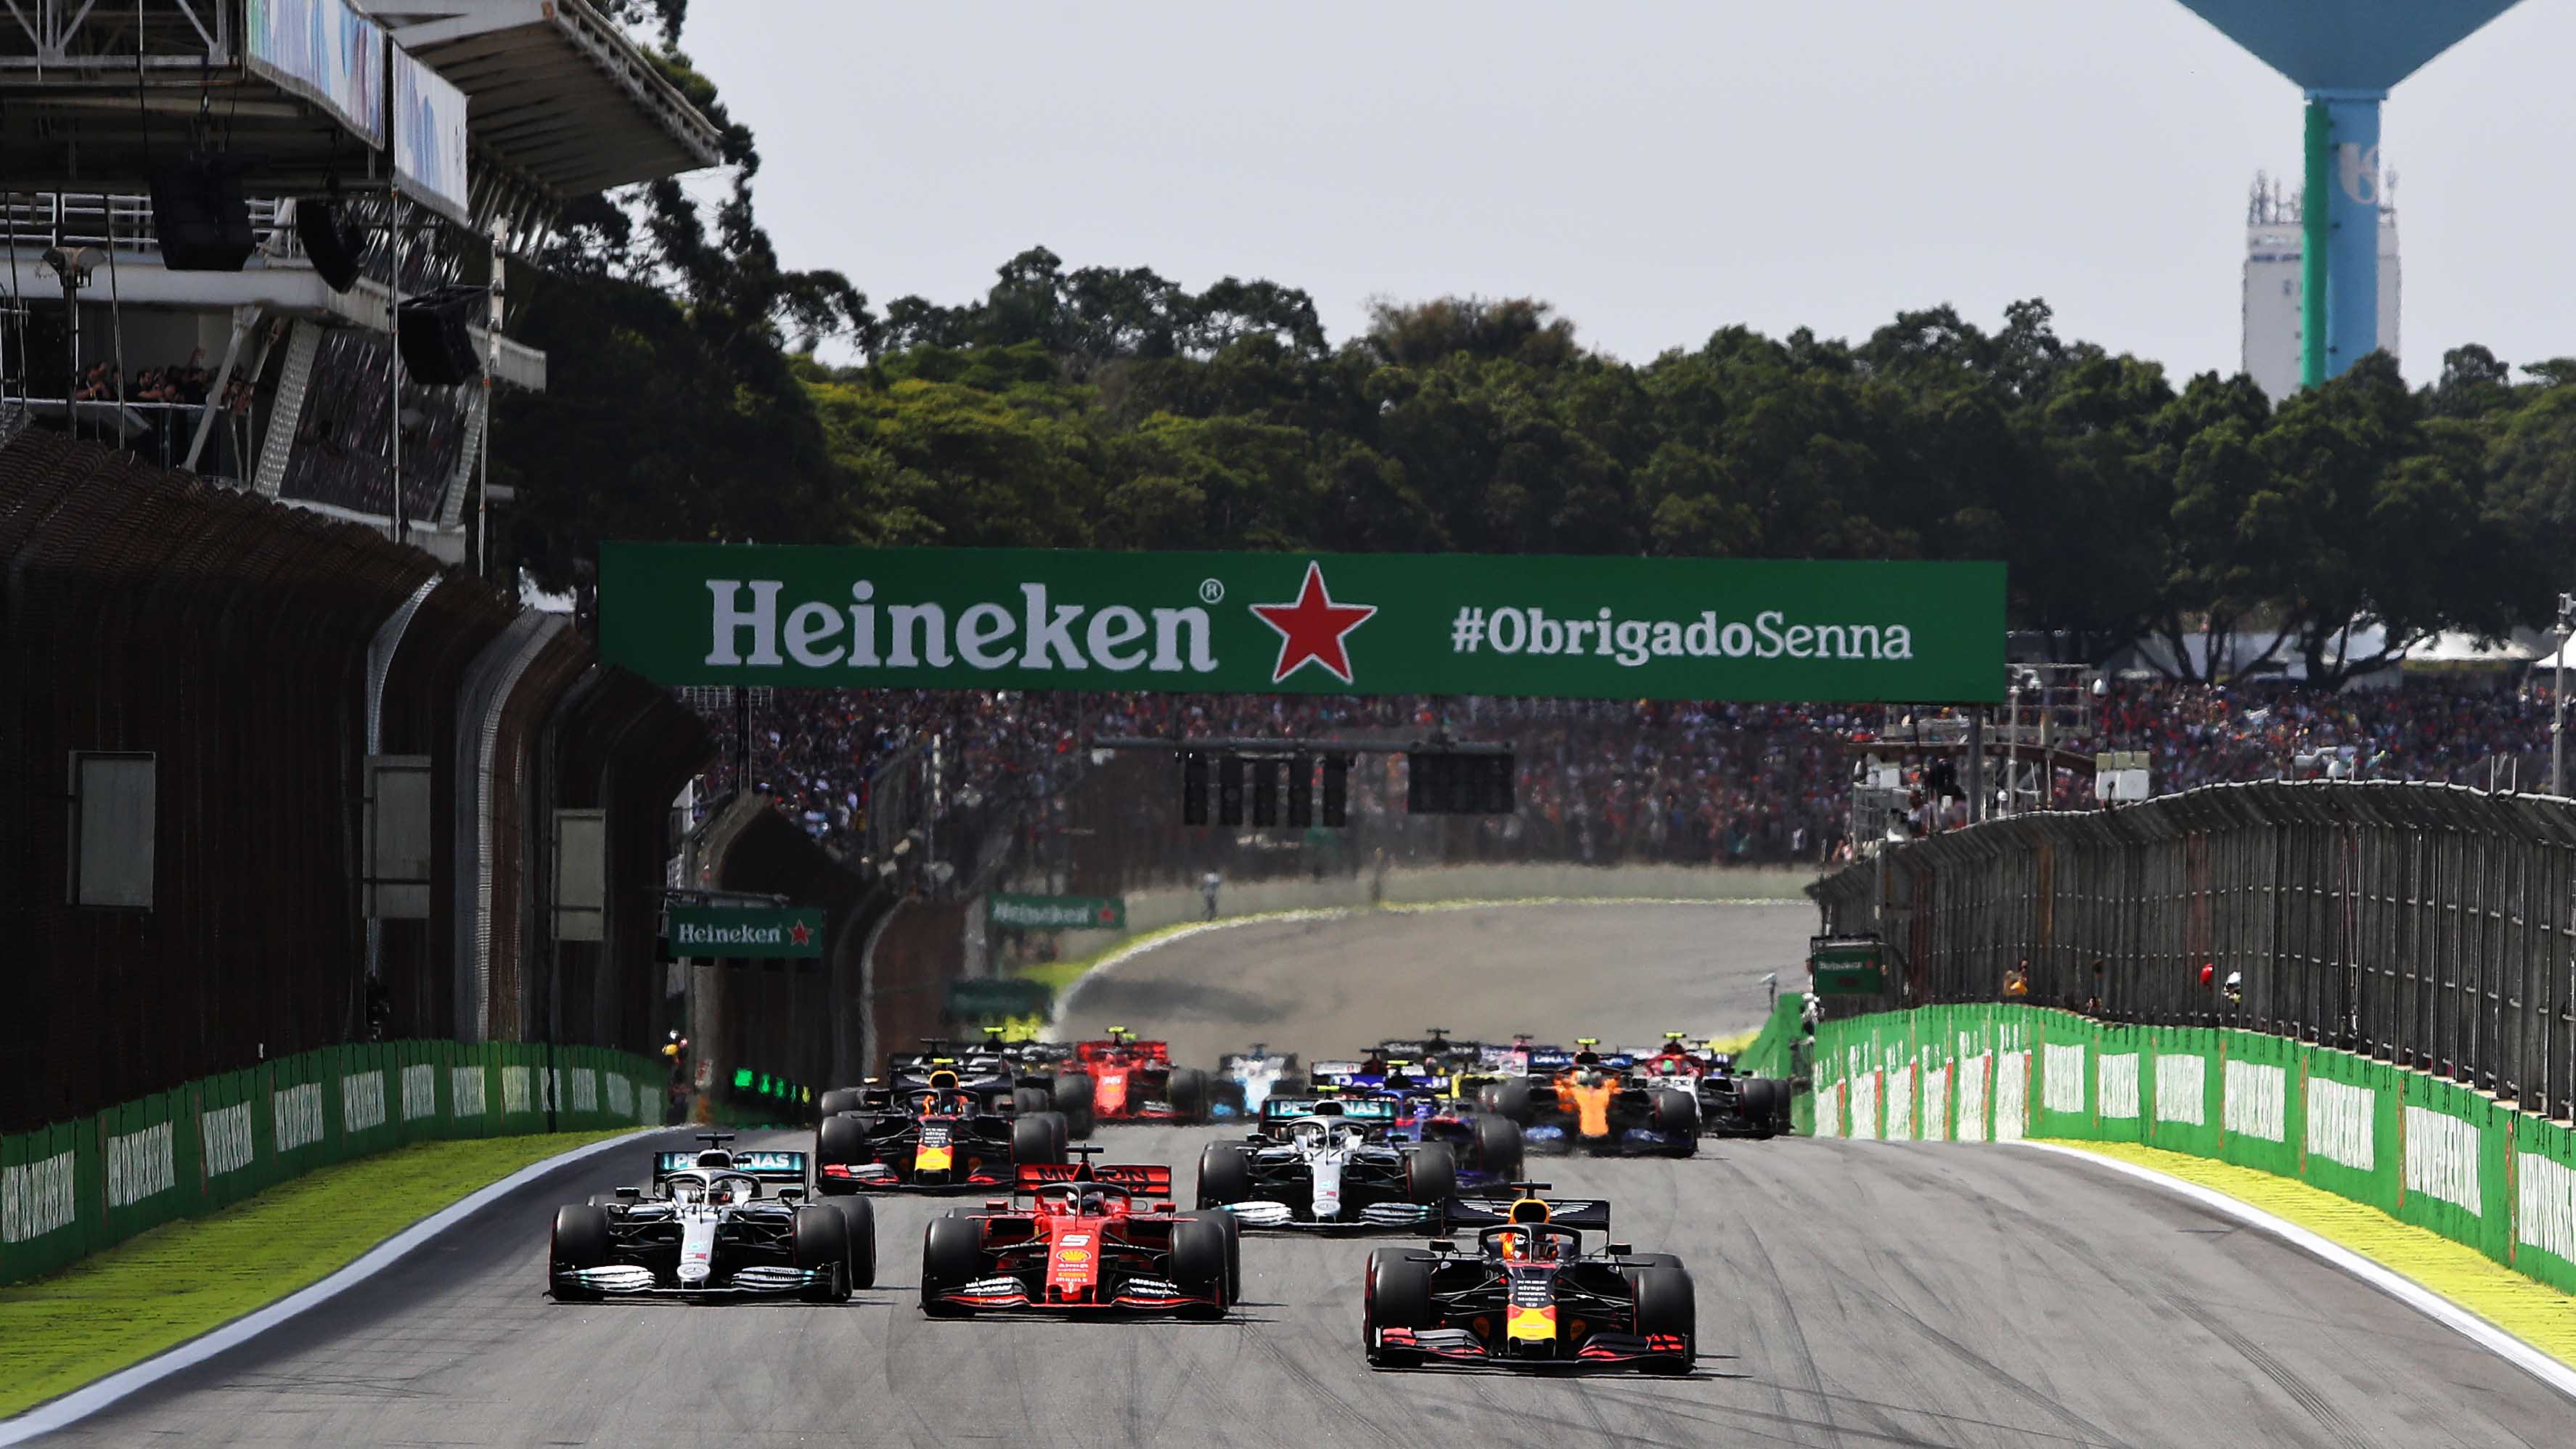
x,y
1851,1294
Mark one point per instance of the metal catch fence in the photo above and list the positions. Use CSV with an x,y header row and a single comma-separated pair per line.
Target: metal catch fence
x,y
2424,925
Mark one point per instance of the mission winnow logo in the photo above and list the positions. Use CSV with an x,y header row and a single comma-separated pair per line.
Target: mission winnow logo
x,y
749,626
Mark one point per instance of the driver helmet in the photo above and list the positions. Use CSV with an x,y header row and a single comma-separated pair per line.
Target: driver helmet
x,y
1515,1247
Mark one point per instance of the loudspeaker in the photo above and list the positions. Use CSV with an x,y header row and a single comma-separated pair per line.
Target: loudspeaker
x,y
1301,791
1337,790
1265,793
199,216
1229,790
1194,789
329,241
436,348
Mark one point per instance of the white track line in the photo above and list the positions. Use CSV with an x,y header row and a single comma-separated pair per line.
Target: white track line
x,y
2396,1285
82,1402
1134,949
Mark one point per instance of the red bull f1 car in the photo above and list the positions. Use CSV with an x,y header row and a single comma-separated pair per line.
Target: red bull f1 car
x,y
1527,1294
713,1224
1080,1239
940,1136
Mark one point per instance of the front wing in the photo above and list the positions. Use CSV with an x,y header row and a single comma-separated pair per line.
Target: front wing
x,y
1375,1217
1458,1346
1129,1295
634,1280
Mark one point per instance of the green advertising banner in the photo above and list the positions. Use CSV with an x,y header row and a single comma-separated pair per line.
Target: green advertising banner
x,y
1845,967
1581,628
1057,913
988,997
762,931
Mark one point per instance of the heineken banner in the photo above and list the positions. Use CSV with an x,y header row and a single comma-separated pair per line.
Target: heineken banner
x,y
1585,628
1057,913
763,931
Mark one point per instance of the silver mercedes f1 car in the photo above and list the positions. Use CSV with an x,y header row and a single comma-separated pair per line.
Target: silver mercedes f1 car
x,y
1325,1166
714,1224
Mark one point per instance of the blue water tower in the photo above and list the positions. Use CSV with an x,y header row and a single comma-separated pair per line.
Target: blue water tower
x,y
2345,54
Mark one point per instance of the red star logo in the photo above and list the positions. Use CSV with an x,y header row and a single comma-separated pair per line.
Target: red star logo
x,y
797,934
1312,628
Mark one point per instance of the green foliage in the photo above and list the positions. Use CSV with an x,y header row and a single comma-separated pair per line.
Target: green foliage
x,y
1112,407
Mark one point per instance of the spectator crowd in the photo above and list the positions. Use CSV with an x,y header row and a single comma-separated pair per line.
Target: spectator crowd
x,y
1606,782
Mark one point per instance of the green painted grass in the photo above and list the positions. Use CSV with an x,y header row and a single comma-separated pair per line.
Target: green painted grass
x,y
164,1287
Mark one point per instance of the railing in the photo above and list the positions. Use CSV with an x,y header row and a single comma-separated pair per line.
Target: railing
x,y
158,432
2424,925
77,219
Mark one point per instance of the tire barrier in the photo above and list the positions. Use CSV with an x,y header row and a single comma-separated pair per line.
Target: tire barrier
x,y
76,1187
2436,1154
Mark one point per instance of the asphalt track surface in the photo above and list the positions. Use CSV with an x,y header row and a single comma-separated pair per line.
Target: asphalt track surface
x,y
1850,1294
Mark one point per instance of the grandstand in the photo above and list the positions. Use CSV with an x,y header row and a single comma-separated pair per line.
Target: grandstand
x,y
443,137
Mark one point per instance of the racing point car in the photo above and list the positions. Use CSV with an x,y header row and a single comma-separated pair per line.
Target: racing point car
x,y
1082,1238
1318,1164
1528,1295
1135,1081
937,1136
1729,1105
1245,1080
1594,1106
705,1229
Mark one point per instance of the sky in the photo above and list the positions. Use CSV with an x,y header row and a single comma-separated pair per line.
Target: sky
x,y
1656,171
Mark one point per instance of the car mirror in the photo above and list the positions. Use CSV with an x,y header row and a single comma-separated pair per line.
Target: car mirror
x,y
791,1194
1444,1245
630,1193
997,1204
1621,1250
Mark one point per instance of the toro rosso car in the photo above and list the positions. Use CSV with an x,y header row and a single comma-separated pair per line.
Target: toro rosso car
x,y
1315,1165
1082,1239
1135,1081
713,1224
1593,1106
940,1136
1486,1145
1528,1295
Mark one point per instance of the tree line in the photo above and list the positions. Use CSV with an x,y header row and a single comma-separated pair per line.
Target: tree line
x,y
1115,408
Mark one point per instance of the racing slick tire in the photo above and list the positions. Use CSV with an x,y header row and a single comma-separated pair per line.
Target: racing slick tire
x,y
1763,1102
1667,1304
837,1101
822,1240
952,1256
1198,1265
580,1241
1498,1146
1225,1174
1395,1293
1188,1093
840,1142
1025,1100
1072,1093
1430,1174
862,1217
1232,1226
1677,1116
1037,1137
1512,1099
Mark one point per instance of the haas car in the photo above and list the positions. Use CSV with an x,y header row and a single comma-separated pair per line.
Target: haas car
x,y
945,1135
1082,1238
1321,1165
1528,1294
1730,1105
714,1224
1135,1081
1592,1104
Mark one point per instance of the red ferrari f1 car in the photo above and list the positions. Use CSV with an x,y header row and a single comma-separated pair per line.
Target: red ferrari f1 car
x,y
1081,1238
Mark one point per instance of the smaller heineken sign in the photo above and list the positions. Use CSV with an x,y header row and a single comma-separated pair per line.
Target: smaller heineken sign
x,y
1058,913
746,931
1846,965
997,999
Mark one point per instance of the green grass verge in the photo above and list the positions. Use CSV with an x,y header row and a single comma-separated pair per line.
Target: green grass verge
x,y
164,1287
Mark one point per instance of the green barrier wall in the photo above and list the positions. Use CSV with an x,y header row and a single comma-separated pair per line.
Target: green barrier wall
x,y
73,1188
2429,1152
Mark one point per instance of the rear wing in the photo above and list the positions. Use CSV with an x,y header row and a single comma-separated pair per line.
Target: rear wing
x,y
1354,1109
765,1164
1564,1212
1334,1069
1140,1179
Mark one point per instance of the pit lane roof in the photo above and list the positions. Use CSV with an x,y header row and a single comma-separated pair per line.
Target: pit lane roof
x,y
559,94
